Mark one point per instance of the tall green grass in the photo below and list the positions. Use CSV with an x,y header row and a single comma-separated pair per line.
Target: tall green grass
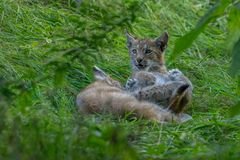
x,y
47,50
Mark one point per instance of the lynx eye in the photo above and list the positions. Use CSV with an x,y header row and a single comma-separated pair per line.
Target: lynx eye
x,y
148,51
134,51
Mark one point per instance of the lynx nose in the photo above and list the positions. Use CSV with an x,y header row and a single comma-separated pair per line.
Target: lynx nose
x,y
139,60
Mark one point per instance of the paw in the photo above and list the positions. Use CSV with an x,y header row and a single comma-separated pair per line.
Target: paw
x,y
183,117
174,73
166,116
131,82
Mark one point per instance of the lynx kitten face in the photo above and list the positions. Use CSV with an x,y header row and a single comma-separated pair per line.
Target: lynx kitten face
x,y
146,54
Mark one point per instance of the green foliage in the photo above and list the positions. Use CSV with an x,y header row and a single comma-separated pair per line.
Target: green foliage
x,y
211,15
48,48
233,40
235,67
235,110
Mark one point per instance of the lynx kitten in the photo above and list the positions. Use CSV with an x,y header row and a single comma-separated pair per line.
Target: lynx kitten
x,y
150,79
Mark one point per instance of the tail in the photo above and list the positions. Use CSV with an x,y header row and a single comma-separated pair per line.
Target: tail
x,y
178,99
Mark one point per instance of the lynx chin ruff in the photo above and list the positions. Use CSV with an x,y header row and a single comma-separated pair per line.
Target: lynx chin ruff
x,y
106,95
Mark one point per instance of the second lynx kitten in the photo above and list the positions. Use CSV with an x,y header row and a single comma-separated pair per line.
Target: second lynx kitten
x,y
150,79
106,96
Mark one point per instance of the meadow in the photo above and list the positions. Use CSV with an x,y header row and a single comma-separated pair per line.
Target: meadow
x,y
47,50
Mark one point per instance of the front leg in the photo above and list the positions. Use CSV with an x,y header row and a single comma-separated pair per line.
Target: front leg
x,y
144,79
173,95
157,94
140,80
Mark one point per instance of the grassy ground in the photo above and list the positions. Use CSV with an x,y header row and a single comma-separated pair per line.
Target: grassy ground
x,y
47,49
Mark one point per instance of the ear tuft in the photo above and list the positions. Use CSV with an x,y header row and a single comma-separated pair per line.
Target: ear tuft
x,y
130,38
162,41
99,74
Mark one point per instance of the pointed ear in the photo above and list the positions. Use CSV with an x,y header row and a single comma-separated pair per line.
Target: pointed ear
x,y
99,74
130,39
162,41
